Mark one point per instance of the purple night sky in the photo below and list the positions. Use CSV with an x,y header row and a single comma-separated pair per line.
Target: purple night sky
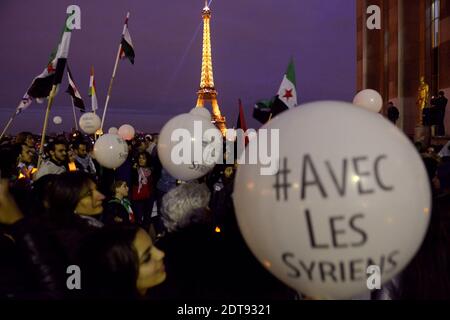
x,y
252,41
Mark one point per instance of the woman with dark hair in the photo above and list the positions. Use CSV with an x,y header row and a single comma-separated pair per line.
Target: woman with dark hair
x,y
73,206
120,263
74,193
31,266
27,138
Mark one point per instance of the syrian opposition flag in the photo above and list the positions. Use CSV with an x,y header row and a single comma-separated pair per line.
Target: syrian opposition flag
x,y
286,98
24,103
61,56
73,91
93,91
42,85
287,93
126,45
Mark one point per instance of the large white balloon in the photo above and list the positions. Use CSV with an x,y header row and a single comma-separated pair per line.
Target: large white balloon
x,y
350,191
189,146
113,130
126,131
90,122
110,151
369,99
57,120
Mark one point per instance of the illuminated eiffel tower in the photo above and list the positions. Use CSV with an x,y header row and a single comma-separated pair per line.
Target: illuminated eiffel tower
x,y
207,91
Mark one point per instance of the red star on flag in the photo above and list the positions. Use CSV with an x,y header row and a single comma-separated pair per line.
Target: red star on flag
x,y
50,68
288,94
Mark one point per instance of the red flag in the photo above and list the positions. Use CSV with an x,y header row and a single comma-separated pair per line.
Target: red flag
x,y
241,124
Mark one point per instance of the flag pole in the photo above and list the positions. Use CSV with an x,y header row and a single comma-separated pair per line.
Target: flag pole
x,y
114,73
8,125
94,92
74,115
44,129
110,87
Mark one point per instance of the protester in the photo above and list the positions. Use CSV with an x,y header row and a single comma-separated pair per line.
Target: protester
x,y
426,276
151,144
392,113
118,209
142,193
187,220
73,207
124,171
30,267
221,266
26,138
165,183
75,194
120,263
71,157
83,160
141,145
440,103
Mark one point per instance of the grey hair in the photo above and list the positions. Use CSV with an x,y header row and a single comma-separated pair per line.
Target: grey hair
x,y
185,205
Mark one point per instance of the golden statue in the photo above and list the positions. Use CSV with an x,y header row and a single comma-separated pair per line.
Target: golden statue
x,y
422,99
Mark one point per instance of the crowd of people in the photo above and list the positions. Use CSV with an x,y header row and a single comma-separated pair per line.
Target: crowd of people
x,y
138,233
135,232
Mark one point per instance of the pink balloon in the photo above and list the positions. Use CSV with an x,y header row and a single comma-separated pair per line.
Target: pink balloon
x,y
126,132
369,99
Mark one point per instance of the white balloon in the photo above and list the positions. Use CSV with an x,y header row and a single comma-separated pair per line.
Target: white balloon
x,y
201,112
90,122
126,131
369,99
113,130
189,146
110,151
57,120
350,191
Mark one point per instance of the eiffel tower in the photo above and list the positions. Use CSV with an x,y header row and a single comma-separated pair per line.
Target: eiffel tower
x,y
207,91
